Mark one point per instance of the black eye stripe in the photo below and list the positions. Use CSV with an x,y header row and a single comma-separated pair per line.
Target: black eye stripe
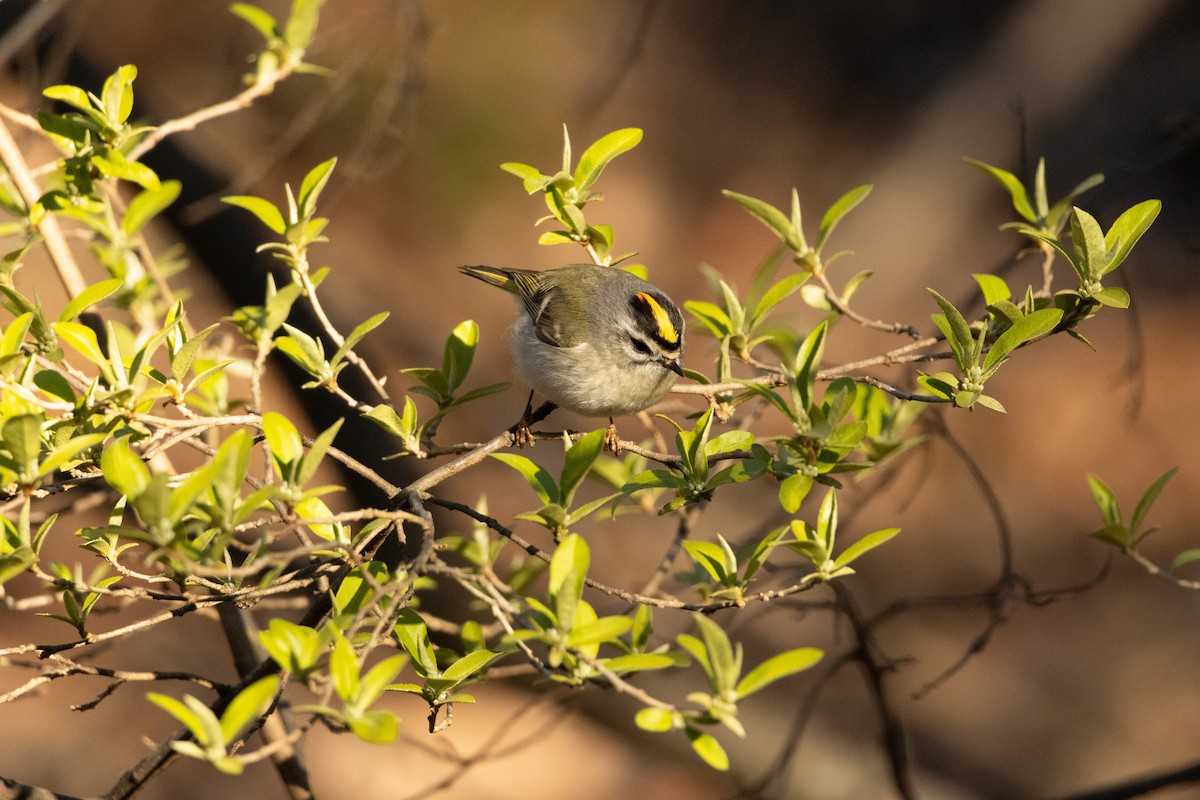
x,y
640,346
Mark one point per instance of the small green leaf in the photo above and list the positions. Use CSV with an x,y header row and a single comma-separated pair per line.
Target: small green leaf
x,y
249,704
1128,229
956,330
312,458
596,157
267,212
301,25
772,217
844,205
148,204
375,727
1026,329
262,22
656,720
186,715
868,542
1020,197
776,294
123,469
776,667
469,665
1088,239
1186,557
535,475
1106,499
414,638
579,459
993,287
89,297
1112,296
310,189
708,749
82,339
1148,497
568,567
724,663
71,95
283,440
640,662
605,629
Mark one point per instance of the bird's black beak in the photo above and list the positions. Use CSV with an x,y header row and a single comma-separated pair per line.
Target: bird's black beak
x,y
674,367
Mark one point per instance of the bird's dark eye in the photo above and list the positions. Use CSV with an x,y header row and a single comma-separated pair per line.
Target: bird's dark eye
x,y
640,346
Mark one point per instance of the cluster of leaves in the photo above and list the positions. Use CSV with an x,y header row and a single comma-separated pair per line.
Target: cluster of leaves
x,y
81,408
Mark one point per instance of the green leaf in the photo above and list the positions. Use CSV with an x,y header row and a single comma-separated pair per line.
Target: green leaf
x,y
283,440
298,31
1128,229
656,720
569,566
596,157
310,189
262,22
868,542
295,648
414,638
724,662
827,520
1148,498
993,287
956,330
186,715
470,664
1112,296
123,469
1186,557
148,204
307,352
312,459
89,297
708,749
1020,197
185,356
117,95
1106,499
375,727
1026,329
772,217
534,180
844,205
267,212
376,681
460,353
709,556
605,629
579,459
640,662
82,339
71,95
711,315
776,667
773,296
535,475
1088,239
249,704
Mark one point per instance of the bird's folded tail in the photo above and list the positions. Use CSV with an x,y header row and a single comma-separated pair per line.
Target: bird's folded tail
x,y
493,275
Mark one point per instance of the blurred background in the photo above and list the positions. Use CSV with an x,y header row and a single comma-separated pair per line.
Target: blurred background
x,y
1070,691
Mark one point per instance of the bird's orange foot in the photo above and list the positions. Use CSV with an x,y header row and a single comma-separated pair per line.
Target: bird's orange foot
x,y
612,442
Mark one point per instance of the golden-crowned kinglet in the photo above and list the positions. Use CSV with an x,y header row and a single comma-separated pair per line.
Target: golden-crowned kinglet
x,y
591,339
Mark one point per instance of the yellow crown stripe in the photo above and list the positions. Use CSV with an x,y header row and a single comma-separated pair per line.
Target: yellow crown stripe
x,y
666,328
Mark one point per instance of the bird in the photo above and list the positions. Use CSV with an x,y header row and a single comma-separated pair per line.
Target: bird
x,y
592,339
